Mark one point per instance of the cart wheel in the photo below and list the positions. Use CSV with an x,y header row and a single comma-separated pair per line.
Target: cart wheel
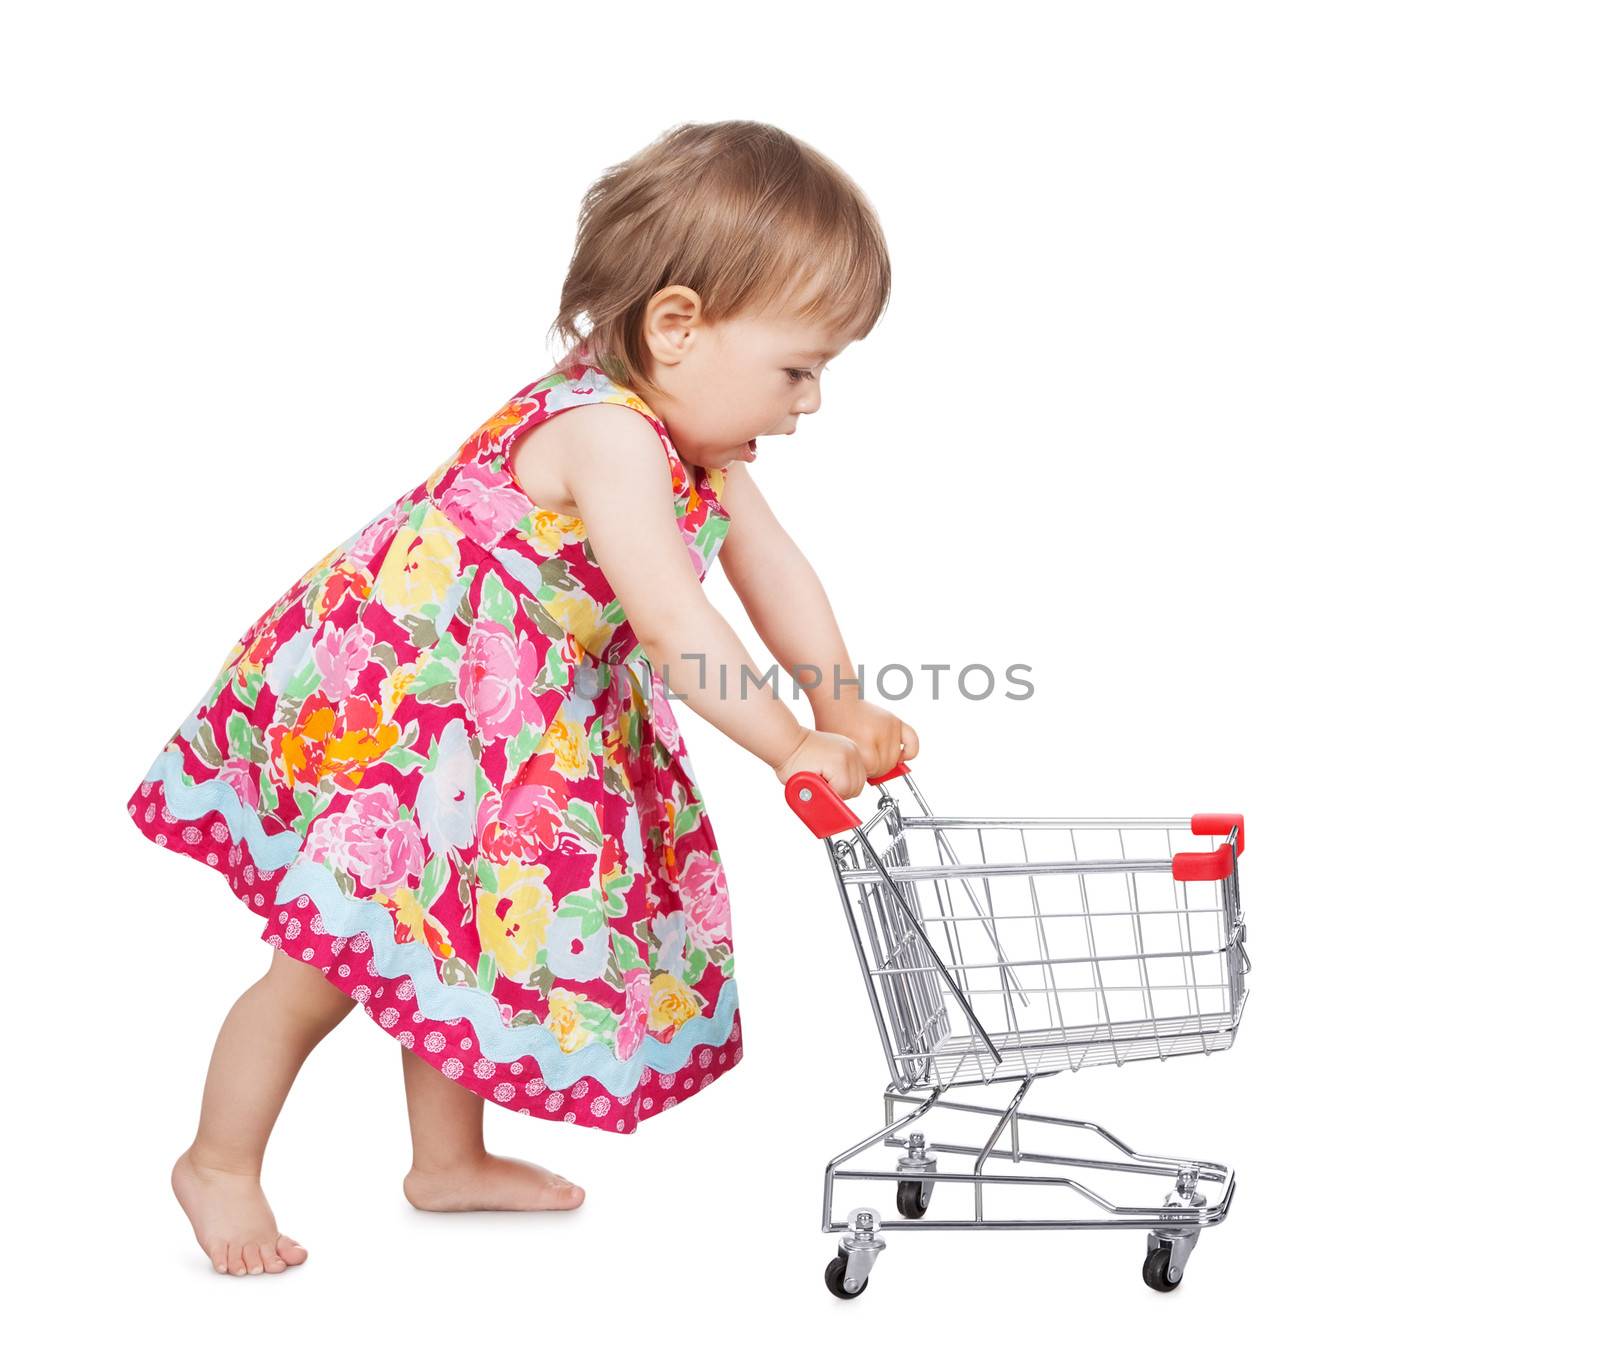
x,y
1155,1269
833,1276
911,1199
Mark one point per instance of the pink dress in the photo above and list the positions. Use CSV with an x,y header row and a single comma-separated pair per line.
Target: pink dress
x,y
441,770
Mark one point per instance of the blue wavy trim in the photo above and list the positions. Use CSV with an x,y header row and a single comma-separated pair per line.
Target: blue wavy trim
x,y
439,1001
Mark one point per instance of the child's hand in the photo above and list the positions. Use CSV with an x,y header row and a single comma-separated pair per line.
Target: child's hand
x,y
834,756
883,737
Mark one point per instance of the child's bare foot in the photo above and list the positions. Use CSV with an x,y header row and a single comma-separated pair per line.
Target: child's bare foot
x,y
232,1220
491,1182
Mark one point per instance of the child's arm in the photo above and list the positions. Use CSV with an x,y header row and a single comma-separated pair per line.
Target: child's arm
x,y
612,467
789,609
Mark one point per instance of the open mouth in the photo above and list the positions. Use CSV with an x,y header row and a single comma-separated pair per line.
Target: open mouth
x,y
748,451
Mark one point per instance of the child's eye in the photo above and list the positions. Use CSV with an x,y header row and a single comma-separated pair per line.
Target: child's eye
x,y
798,374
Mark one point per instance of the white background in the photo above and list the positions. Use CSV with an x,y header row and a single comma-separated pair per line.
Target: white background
x,y
1239,377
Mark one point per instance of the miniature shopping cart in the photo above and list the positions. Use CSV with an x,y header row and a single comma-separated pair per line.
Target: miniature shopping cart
x,y
1005,950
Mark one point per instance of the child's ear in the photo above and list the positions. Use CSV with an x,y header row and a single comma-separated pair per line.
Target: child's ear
x,y
673,319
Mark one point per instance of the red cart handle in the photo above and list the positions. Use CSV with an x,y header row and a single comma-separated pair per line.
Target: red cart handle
x,y
1219,825
1215,865
899,769
819,805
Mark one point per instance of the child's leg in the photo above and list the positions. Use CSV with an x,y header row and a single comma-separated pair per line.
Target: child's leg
x,y
275,1023
273,1026
451,1169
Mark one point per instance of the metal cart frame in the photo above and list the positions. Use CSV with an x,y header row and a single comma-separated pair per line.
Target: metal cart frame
x,y
1160,993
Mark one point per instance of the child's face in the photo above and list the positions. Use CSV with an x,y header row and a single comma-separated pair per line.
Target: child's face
x,y
727,383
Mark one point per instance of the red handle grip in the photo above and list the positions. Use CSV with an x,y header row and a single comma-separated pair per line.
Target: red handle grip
x,y
899,769
1214,865
1219,825
819,805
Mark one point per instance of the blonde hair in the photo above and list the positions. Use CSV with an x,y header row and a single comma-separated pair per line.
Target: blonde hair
x,y
742,212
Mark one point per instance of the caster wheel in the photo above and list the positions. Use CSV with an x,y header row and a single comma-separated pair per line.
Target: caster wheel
x,y
911,1199
1155,1269
833,1276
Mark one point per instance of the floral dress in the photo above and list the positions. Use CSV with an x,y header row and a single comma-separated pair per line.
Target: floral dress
x,y
442,771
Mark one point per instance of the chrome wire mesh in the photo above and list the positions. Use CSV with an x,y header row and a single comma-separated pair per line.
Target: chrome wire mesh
x,y
1002,948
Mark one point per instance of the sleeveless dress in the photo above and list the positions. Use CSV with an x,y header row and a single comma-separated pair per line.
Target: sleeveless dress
x,y
441,770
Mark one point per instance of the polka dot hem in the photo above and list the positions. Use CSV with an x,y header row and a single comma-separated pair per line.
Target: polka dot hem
x,y
295,927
